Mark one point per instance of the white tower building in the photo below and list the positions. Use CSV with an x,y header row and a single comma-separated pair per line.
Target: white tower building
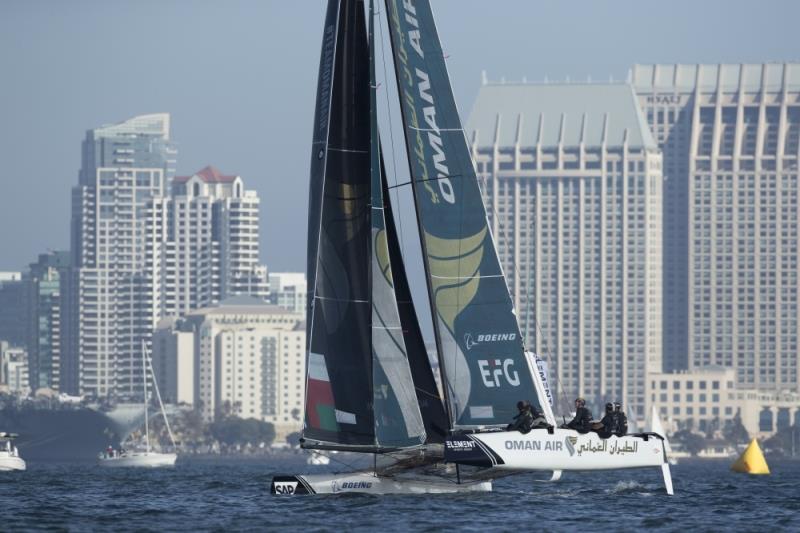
x,y
573,187
731,139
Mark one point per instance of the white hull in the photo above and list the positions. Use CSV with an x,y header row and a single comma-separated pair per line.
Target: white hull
x,y
563,449
10,463
139,460
369,483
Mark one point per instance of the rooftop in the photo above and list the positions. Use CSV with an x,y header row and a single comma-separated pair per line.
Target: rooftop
x,y
152,124
241,305
209,174
727,77
558,113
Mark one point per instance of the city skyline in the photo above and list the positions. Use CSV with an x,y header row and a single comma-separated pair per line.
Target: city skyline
x,y
240,102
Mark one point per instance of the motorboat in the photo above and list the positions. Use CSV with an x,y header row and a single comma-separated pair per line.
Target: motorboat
x,y
9,454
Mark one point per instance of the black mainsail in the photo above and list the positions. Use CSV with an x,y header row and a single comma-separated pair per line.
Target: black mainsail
x,y
483,362
360,393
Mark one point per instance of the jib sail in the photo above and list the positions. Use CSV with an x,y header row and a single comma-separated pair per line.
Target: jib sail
x,y
359,392
478,338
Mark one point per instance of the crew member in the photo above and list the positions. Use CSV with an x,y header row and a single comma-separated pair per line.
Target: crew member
x,y
524,420
608,422
621,421
582,423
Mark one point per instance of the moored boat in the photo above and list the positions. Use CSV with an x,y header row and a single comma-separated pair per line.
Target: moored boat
x,y
9,454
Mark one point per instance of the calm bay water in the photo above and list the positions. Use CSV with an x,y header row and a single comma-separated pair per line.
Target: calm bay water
x,y
234,495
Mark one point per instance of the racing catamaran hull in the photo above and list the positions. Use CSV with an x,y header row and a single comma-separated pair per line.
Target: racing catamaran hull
x,y
369,483
563,449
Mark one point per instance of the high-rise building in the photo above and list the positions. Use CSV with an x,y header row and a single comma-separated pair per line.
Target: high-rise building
x,y
288,290
12,308
210,252
573,188
731,141
249,361
114,233
43,318
14,369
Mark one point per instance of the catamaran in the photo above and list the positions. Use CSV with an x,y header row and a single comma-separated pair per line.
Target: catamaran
x,y
147,457
370,385
9,454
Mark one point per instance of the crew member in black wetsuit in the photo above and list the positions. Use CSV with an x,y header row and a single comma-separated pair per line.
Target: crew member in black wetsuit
x,y
582,423
620,421
523,421
608,422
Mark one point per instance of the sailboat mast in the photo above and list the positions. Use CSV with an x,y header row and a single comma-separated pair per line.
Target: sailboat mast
x,y
158,396
144,380
423,246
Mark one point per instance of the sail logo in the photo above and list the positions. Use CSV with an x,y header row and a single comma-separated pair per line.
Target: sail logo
x,y
432,130
470,342
285,487
492,370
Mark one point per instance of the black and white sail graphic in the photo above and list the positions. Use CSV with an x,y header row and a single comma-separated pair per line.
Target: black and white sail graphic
x,y
480,347
359,393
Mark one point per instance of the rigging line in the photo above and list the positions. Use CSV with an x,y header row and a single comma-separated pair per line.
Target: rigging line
x,y
391,130
467,277
350,300
437,178
437,130
331,149
483,186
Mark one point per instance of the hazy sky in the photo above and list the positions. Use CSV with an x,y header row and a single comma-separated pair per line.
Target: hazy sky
x,y
238,77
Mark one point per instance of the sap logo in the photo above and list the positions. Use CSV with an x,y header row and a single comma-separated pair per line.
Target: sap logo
x,y
664,99
460,445
285,487
493,369
356,484
470,341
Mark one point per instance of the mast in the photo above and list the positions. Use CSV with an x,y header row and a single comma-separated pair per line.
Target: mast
x,y
144,380
160,403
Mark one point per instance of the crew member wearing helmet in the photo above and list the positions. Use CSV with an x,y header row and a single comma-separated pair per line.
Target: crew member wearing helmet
x,y
620,421
608,422
529,418
523,421
582,423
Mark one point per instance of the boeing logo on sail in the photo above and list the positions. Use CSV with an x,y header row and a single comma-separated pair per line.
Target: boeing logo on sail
x,y
470,341
429,112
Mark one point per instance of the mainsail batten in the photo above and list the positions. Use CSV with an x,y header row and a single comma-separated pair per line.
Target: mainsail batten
x,y
478,338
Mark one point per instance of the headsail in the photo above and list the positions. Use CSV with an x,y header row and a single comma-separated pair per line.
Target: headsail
x,y
478,338
359,391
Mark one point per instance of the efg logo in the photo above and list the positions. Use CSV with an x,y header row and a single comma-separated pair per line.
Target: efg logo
x,y
492,370
471,341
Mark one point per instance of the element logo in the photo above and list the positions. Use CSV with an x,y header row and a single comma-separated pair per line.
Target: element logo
x,y
493,369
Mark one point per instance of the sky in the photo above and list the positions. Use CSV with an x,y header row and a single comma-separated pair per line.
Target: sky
x,y
239,76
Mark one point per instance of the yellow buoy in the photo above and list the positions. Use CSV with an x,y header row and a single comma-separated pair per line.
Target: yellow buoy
x,y
751,461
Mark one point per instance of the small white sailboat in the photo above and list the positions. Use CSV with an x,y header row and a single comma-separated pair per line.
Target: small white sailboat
x,y
9,454
148,457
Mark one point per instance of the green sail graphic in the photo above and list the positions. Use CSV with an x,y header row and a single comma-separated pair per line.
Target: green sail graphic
x,y
484,367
